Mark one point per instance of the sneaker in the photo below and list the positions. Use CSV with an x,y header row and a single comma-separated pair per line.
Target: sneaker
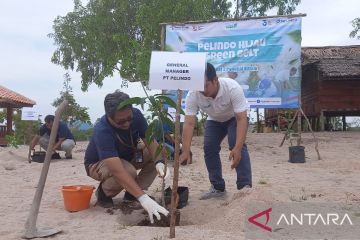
x,y
245,187
103,200
213,193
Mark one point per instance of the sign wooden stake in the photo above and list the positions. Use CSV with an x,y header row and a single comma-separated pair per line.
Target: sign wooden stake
x,y
298,114
176,166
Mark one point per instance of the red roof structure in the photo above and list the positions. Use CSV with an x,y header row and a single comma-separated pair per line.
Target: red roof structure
x,y
10,100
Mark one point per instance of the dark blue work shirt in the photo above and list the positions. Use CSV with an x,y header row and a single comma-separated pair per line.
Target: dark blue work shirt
x,y
63,131
105,143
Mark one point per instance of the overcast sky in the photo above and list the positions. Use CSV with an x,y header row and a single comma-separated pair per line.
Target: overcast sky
x,y
25,49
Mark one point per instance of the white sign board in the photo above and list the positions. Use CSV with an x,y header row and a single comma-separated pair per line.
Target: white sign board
x,y
29,114
174,70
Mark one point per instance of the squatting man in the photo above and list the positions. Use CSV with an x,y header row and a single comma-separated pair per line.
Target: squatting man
x,y
117,150
64,139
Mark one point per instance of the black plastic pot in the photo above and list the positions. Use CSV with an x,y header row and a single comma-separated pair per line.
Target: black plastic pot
x,y
296,154
183,196
38,156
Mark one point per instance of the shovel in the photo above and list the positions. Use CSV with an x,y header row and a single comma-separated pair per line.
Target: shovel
x,y
31,231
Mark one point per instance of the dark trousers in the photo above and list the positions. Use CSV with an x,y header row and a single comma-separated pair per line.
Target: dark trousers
x,y
215,132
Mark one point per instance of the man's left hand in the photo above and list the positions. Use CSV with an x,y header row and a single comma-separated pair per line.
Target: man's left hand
x,y
160,168
31,150
235,157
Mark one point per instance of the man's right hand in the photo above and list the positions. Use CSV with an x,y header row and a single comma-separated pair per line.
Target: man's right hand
x,y
152,207
185,158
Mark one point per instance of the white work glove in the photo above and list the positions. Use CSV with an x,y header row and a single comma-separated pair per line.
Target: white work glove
x,y
160,168
152,207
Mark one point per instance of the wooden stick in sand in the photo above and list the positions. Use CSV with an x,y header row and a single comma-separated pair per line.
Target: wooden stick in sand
x,y
176,166
31,231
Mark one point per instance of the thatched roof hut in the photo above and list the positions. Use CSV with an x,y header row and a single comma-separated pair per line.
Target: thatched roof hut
x,y
333,63
330,84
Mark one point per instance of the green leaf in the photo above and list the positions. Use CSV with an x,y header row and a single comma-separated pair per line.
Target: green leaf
x,y
166,100
158,131
153,101
130,101
149,136
158,150
153,115
162,94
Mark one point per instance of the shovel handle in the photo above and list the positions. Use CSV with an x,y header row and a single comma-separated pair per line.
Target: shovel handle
x,y
29,155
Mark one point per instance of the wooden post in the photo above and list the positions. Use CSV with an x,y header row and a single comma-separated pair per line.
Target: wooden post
x,y
312,132
278,120
313,125
299,128
9,119
301,112
344,122
162,38
176,166
322,121
289,127
258,120
30,226
162,47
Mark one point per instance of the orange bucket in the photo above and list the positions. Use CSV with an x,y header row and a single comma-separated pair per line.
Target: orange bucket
x,y
77,197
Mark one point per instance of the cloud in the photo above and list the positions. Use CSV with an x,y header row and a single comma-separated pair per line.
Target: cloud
x,y
328,22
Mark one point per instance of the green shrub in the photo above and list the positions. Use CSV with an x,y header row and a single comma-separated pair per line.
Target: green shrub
x,y
82,135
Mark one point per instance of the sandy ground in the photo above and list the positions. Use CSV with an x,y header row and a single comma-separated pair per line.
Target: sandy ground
x,y
335,178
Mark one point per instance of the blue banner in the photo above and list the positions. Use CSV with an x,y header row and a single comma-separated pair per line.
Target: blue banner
x,y
262,55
